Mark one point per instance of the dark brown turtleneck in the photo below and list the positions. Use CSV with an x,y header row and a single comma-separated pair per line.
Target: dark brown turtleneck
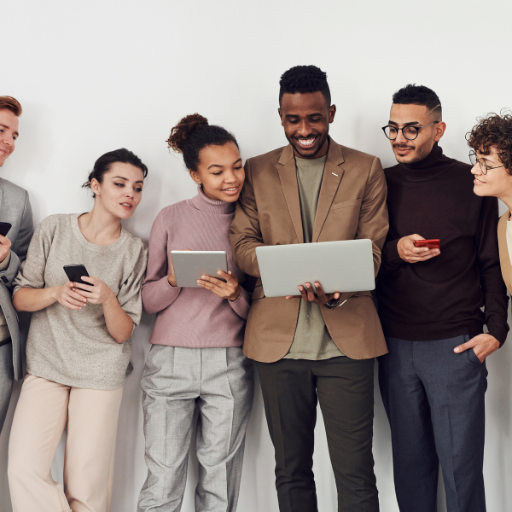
x,y
441,298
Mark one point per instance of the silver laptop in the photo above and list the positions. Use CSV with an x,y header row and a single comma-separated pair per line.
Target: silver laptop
x,y
345,266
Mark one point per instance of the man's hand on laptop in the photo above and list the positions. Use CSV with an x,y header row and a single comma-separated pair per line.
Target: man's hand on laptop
x,y
411,254
307,293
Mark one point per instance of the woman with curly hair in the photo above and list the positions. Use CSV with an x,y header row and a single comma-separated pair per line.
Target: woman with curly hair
x,y
195,370
491,156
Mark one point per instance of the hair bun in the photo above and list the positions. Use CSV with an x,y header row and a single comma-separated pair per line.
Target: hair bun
x,y
182,131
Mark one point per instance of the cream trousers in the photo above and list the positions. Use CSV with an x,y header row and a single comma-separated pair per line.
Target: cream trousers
x,y
44,410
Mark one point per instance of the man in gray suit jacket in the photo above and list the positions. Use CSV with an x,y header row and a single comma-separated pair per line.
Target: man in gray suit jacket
x,y
14,209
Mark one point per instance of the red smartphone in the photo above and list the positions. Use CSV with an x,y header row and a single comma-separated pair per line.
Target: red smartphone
x,y
433,243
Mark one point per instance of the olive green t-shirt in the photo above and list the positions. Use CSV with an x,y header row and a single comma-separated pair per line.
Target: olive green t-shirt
x,y
312,339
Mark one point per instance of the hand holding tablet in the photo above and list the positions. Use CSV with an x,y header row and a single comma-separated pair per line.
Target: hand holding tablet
x,y
189,266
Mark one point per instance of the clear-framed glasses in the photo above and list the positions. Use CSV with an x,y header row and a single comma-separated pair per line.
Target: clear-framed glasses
x,y
409,132
483,168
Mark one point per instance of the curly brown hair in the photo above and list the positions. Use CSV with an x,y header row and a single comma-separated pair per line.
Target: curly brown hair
x,y
12,104
192,134
182,131
494,130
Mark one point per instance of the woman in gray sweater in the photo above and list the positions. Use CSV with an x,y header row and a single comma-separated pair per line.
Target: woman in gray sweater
x,y
78,347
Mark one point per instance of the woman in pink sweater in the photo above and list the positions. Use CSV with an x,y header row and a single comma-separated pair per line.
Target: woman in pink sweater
x,y
195,368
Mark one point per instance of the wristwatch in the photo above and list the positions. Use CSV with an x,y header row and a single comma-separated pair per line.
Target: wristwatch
x,y
333,303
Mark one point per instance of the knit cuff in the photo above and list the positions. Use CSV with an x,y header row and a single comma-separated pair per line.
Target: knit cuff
x,y
499,332
241,304
390,253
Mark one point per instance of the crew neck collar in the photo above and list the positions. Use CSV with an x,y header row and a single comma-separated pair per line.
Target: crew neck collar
x,y
89,245
203,203
311,162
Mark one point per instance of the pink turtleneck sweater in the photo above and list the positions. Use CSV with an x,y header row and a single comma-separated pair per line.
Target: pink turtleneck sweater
x,y
192,317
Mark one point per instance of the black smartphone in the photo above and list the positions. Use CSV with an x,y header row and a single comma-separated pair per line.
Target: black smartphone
x,y
4,228
75,273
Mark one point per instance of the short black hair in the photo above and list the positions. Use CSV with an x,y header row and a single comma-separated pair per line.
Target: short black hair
x,y
304,79
413,94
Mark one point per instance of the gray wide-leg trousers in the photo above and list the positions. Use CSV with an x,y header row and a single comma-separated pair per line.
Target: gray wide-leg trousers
x,y
219,384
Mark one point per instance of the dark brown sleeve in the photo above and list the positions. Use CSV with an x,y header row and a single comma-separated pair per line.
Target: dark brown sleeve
x,y
493,287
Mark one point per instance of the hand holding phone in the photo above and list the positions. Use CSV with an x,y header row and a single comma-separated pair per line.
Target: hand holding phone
x,y
75,273
5,243
4,228
97,292
433,243
410,252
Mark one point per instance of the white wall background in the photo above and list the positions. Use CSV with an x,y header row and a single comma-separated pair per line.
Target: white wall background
x,y
94,76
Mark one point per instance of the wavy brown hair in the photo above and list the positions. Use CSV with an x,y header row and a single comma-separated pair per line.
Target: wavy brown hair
x,y
494,130
12,104
192,134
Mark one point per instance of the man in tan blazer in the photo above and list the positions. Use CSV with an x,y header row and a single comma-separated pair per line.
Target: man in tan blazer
x,y
311,348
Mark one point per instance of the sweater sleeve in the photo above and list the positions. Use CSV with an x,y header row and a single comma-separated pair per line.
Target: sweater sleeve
x,y
129,295
31,273
493,287
157,293
242,304
391,260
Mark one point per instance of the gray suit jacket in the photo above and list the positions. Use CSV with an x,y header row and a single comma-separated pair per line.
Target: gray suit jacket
x,y
15,209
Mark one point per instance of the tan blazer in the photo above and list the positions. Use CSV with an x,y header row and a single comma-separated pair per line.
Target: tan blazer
x,y
351,204
506,267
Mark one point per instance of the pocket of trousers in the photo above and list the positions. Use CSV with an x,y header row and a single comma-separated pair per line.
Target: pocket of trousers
x,y
473,357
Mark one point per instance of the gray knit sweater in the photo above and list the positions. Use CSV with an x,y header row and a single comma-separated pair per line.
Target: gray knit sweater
x,y
74,347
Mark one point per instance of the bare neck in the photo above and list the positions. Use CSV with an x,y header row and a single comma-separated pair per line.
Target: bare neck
x,y
99,226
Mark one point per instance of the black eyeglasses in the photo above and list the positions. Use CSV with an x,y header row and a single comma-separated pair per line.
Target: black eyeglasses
x,y
483,168
409,132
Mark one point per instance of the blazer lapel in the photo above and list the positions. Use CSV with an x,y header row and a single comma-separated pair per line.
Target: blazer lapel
x,y
288,177
506,266
330,183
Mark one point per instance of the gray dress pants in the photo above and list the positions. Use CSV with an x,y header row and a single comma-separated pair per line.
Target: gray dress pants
x,y
435,402
6,380
218,383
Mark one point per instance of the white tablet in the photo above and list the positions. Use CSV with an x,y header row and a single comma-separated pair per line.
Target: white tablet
x,y
345,266
189,266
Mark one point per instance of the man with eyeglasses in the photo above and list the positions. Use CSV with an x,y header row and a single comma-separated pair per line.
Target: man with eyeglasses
x,y
434,378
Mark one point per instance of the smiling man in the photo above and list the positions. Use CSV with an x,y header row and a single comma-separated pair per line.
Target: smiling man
x,y
314,348
14,210
433,379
